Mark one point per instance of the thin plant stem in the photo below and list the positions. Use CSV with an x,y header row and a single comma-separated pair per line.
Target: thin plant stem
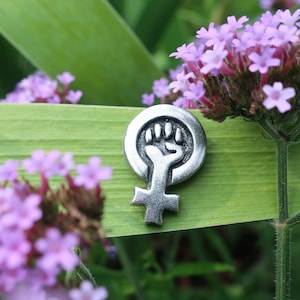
x,y
283,230
129,269
282,160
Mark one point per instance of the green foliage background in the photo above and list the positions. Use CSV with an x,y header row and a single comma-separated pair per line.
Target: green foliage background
x,y
115,49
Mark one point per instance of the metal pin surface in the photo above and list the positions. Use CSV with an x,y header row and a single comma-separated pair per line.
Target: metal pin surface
x,y
164,145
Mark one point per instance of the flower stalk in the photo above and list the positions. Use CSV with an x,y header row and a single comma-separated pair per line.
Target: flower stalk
x,y
282,227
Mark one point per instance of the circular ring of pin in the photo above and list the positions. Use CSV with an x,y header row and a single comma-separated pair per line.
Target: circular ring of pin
x,y
164,145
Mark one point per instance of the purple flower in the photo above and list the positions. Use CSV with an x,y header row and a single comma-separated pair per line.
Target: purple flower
x,y
181,83
195,92
180,102
263,61
89,175
24,291
182,52
174,72
188,52
257,34
235,24
161,87
8,197
219,35
23,213
74,96
40,85
266,4
65,78
9,278
14,248
284,34
55,99
290,19
45,164
56,250
213,59
277,96
148,99
88,292
40,88
9,170
185,103
64,164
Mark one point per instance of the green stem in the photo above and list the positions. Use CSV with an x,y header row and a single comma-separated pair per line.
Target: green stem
x,y
283,230
283,261
282,157
129,269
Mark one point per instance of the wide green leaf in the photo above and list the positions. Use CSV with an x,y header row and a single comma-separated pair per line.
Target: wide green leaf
x,y
87,38
236,184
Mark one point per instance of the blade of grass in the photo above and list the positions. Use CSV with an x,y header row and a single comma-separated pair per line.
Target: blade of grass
x,y
87,38
153,21
237,182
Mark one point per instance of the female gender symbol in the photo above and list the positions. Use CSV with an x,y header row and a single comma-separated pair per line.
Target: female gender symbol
x,y
164,145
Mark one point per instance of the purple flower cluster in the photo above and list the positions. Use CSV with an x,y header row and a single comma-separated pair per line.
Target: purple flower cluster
x,y
40,227
39,88
269,4
235,69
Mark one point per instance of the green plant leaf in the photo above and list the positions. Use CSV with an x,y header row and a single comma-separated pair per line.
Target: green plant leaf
x,y
237,182
87,38
153,21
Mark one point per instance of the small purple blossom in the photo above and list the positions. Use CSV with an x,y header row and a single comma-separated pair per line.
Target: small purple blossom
x,y
219,35
40,88
9,278
40,162
14,248
188,52
290,19
266,4
195,92
24,291
65,78
181,83
262,62
148,99
161,88
182,52
213,59
277,96
86,291
56,250
89,175
74,96
64,164
235,24
9,170
55,99
23,212
180,102
283,34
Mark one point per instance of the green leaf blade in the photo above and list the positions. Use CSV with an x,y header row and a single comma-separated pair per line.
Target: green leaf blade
x,y
237,182
86,38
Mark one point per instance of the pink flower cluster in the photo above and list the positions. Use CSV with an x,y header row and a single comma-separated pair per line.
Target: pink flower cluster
x,y
37,236
39,88
237,70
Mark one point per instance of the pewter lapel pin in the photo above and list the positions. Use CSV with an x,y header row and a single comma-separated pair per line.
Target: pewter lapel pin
x,y
164,145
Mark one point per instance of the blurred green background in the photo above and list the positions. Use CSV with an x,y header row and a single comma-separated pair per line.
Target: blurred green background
x,y
228,262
